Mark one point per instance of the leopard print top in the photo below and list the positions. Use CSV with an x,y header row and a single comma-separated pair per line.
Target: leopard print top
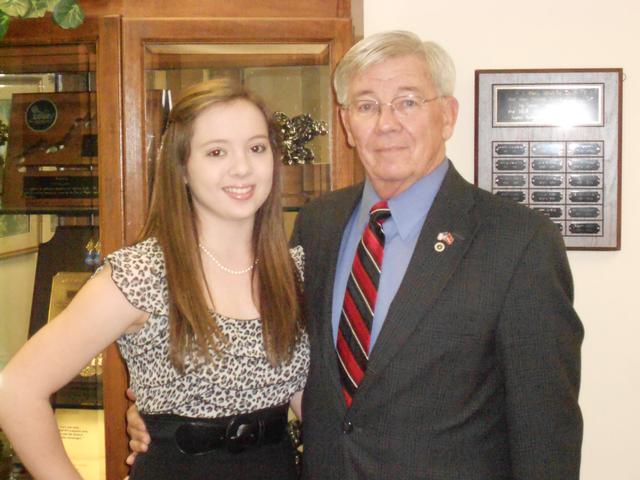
x,y
240,380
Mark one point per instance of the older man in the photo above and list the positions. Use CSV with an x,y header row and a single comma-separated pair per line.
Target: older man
x,y
444,344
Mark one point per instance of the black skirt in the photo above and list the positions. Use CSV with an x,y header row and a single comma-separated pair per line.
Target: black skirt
x,y
165,459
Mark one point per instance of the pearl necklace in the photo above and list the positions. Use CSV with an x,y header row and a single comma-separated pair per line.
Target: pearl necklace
x,y
227,269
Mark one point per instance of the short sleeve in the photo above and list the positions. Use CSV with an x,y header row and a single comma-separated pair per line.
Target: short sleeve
x,y
139,272
297,253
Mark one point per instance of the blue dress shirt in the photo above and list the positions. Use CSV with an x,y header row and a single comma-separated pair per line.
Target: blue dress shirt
x,y
408,212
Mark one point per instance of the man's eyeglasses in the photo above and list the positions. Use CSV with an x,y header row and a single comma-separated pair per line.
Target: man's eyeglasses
x,y
405,106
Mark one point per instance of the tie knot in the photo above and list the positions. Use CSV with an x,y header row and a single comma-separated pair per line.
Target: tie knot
x,y
379,212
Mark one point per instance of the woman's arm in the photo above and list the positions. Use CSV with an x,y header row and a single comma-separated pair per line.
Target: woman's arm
x,y
95,318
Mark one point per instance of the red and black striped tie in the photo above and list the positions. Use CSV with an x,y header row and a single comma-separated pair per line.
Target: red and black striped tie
x,y
354,328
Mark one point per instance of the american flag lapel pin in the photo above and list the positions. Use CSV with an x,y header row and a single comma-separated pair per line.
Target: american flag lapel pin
x,y
445,239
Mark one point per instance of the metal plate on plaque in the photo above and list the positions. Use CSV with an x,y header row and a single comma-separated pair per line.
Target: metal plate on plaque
x,y
515,195
547,164
511,164
510,148
546,180
550,149
584,228
511,180
584,164
584,212
546,196
551,212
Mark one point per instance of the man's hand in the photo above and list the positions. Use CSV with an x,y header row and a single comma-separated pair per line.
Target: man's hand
x,y
139,438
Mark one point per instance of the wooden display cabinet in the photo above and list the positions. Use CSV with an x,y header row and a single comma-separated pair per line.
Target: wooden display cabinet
x,y
146,51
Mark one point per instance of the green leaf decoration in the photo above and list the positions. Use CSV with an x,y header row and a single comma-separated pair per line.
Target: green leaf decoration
x,y
15,8
38,9
4,24
51,4
68,14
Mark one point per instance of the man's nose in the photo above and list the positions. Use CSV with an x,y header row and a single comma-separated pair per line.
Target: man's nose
x,y
387,118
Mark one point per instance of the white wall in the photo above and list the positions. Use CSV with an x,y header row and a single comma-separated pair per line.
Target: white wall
x,y
17,276
553,34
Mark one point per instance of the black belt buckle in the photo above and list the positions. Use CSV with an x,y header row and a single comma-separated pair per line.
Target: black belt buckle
x,y
195,439
243,433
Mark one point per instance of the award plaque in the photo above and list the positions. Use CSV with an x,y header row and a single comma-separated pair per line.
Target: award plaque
x,y
551,140
64,287
52,153
85,390
66,251
64,264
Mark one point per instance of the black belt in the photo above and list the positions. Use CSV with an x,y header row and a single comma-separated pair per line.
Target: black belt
x,y
236,433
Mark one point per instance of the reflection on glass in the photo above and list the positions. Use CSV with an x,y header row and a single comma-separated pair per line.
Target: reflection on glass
x,y
50,159
48,165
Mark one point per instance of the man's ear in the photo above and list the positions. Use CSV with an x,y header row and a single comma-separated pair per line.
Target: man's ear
x,y
450,114
344,117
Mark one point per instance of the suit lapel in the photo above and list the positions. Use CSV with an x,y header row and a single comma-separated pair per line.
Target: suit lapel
x,y
428,271
338,214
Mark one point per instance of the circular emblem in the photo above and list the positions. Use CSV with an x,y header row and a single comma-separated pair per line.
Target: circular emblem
x,y
41,115
439,247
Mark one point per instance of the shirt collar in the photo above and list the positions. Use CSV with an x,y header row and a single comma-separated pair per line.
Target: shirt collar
x,y
409,209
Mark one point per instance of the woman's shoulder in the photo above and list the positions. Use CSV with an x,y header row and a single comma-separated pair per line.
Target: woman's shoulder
x,y
142,260
146,253
139,272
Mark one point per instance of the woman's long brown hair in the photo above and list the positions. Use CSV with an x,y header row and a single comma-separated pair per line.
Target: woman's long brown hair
x,y
171,220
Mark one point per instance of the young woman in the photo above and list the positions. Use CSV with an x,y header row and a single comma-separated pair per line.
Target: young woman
x,y
204,309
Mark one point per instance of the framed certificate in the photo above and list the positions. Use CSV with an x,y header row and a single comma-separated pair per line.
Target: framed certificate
x,y
551,140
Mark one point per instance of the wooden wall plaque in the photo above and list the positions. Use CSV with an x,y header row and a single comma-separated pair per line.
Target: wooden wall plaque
x,y
52,155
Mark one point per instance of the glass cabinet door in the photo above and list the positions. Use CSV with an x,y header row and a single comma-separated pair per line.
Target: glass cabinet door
x,y
49,236
50,157
288,63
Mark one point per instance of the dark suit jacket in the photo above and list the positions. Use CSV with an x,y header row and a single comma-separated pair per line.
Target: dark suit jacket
x,y
475,374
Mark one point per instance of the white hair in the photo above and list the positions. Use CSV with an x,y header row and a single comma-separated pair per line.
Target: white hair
x,y
379,47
